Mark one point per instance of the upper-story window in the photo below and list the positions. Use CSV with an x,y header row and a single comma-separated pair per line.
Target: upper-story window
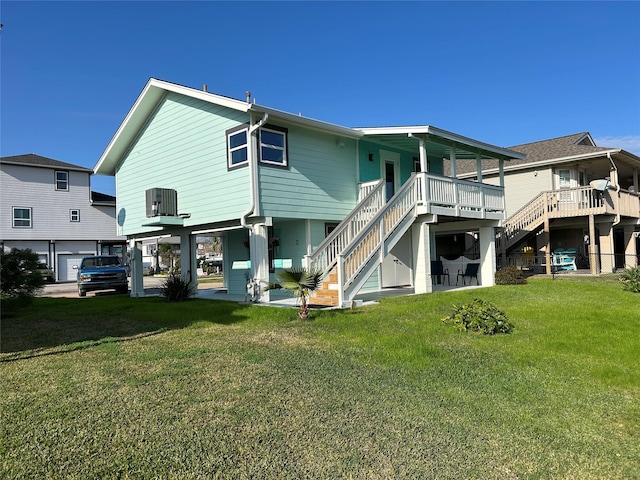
x,y
62,180
74,215
22,217
272,151
237,147
273,146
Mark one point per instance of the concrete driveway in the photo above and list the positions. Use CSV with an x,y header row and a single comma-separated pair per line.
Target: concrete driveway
x,y
70,289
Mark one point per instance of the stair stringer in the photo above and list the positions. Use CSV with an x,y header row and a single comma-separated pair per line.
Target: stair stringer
x,y
375,260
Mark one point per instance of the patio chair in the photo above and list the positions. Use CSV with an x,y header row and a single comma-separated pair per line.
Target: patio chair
x,y
470,271
438,270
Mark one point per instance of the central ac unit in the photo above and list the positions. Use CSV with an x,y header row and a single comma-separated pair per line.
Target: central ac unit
x,y
162,202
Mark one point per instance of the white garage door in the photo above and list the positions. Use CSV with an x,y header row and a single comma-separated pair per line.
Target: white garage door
x,y
66,273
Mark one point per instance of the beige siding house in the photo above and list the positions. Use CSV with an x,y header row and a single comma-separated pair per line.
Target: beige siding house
x,y
569,194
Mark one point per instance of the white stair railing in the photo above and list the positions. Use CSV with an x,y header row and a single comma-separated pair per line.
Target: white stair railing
x,y
370,240
324,257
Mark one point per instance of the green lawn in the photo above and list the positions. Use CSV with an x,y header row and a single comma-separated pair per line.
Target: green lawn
x,y
114,387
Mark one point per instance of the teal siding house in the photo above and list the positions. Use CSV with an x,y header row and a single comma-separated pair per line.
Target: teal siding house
x,y
370,207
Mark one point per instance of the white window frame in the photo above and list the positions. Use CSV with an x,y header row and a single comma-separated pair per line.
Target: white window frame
x,y
231,150
30,219
283,149
65,181
74,215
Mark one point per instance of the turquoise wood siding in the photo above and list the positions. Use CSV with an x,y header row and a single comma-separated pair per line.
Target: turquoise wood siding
x,y
320,182
183,147
371,170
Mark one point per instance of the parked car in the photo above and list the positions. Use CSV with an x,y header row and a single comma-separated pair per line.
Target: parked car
x,y
47,274
101,272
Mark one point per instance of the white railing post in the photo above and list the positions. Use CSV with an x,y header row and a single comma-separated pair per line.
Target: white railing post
x,y
340,273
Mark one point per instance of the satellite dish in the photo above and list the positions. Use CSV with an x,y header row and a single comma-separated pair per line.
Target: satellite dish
x,y
600,185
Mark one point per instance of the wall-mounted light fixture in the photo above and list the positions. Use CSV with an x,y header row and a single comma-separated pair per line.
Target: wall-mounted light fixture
x,y
371,157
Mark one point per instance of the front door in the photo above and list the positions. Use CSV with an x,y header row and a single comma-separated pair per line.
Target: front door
x,y
391,172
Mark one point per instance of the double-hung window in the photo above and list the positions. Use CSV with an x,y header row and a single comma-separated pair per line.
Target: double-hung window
x,y
62,180
22,217
74,215
237,147
273,146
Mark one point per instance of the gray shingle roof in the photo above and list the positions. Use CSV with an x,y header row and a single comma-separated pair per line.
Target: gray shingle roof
x,y
561,147
33,160
97,197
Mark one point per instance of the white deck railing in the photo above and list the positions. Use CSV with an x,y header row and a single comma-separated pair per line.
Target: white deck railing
x,y
363,233
461,198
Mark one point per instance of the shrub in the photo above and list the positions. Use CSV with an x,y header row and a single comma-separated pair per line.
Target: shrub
x,y
19,275
176,289
510,275
480,316
630,279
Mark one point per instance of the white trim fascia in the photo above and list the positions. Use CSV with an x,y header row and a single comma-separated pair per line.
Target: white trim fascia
x,y
152,92
544,163
438,132
232,103
308,122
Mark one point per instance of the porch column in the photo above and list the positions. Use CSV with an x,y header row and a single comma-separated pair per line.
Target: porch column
x,y
547,237
188,267
423,154
630,252
487,237
137,285
259,248
479,167
607,261
421,243
501,171
594,257
452,159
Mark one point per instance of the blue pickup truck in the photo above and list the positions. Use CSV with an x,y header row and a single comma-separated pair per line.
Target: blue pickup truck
x,y
101,272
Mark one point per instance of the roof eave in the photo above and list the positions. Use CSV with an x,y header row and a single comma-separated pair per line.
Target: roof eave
x,y
307,122
454,138
553,161
153,92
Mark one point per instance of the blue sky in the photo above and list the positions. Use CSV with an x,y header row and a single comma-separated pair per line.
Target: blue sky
x,y
504,73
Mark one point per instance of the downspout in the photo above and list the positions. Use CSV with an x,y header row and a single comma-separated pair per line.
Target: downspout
x,y
617,185
253,173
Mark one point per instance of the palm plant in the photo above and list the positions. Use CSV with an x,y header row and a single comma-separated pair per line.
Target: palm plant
x,y
301,282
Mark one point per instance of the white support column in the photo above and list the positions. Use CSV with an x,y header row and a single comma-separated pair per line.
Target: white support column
x,y
188,267
137,285
479,167
487,272
259,248
452,158
501,171
423,155
421,242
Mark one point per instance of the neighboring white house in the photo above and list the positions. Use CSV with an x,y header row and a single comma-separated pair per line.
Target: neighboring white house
x,y
48,206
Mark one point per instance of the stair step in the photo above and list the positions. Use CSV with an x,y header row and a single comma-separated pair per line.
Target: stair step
x,y
328,301
326,293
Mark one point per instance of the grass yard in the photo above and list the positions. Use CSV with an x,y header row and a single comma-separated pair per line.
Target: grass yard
x,y
114,387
